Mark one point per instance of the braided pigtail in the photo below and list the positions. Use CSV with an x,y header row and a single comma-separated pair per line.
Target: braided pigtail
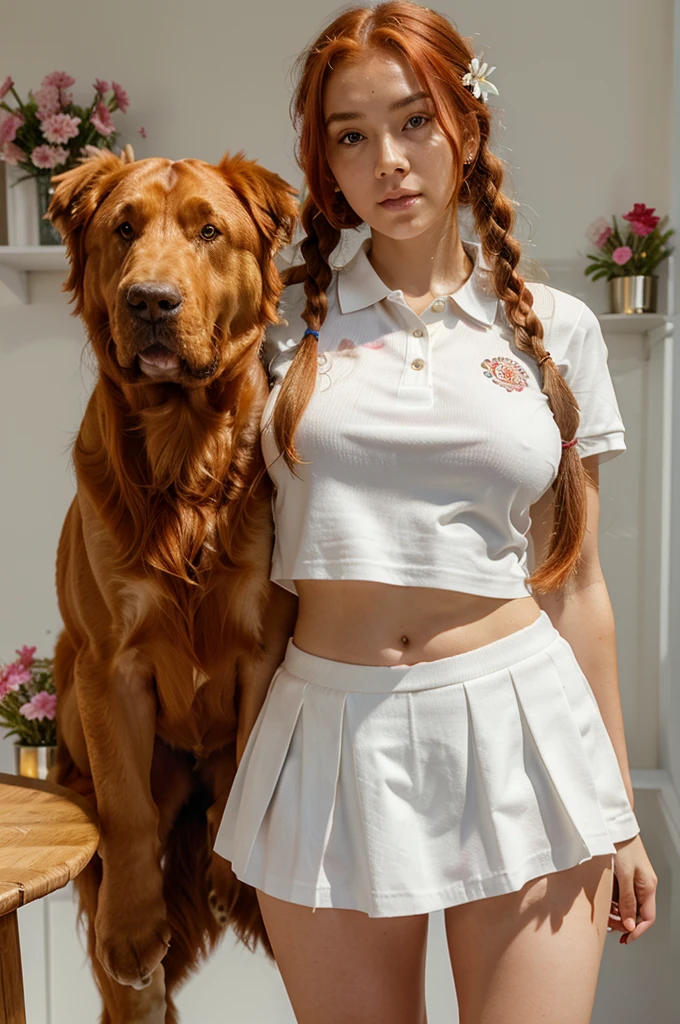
x,y
494,217
300,379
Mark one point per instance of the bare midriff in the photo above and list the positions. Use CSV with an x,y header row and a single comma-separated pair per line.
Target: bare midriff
x,y
367,623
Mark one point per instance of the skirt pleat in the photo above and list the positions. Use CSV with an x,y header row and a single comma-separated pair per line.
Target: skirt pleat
x,y
393,796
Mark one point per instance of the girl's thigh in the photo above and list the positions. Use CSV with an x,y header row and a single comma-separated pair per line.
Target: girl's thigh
x,y
344,967
533,954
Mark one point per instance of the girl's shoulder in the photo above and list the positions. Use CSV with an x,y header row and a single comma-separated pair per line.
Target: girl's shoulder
x,y
573,336
281,340
572,330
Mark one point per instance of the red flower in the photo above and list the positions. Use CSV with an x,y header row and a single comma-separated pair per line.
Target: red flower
x,y
642,219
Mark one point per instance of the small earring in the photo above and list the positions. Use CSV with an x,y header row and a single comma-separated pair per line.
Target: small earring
x,y
337,188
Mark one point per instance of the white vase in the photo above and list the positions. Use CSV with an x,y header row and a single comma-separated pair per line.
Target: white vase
x,y
22,208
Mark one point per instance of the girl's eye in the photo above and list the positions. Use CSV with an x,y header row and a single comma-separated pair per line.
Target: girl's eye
x,y
414,117
347,135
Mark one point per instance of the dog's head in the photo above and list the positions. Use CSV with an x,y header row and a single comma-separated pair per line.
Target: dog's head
x,y
172,261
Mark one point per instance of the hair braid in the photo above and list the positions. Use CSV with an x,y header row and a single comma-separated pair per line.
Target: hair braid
x,y
316,273
494,218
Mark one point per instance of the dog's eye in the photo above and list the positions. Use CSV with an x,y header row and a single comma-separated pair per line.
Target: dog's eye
x,y
209,231
126,230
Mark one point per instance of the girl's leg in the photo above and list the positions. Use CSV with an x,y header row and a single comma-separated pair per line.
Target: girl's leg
x,y
344,967
532,955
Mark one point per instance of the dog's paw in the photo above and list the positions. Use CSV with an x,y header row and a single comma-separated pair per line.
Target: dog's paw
x,y
130,953
219,909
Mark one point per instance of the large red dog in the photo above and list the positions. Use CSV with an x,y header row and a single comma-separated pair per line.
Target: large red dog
x,y
172,628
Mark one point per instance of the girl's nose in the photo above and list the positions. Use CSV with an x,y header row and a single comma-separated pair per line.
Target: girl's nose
x,y
390,158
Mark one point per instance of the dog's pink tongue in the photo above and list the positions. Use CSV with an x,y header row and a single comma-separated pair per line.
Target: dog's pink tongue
x,y
159,355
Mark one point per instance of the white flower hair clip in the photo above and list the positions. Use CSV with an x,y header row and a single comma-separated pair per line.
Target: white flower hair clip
x,y
476,79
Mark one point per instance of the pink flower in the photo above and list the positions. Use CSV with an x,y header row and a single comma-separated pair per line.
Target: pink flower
x,y
60,127
622,254
41,705
26,656
4,680
599,232
8,127
11,154
642,219
122,98
14,676
49,156
47,99
6,86
101,86
101,119
60,79
142,132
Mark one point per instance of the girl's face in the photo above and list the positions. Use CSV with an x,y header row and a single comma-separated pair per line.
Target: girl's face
x,y
381,136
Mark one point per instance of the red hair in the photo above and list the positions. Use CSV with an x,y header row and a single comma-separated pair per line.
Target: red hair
x,y
439,57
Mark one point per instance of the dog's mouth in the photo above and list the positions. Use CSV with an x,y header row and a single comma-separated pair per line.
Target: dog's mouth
x,y
158,361
158,357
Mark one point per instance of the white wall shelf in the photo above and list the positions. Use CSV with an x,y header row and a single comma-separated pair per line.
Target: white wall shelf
x,y
653,327
18,261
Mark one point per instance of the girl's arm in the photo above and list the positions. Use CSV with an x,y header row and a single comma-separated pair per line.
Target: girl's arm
x,y
582,612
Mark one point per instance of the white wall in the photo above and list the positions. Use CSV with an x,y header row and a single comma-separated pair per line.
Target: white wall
x,y
584,124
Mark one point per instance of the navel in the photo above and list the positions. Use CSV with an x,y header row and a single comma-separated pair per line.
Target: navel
x,y
404,639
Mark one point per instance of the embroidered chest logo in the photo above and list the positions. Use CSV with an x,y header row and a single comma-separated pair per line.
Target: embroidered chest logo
x,y
507,372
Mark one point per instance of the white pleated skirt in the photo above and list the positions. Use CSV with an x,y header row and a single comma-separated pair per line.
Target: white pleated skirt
x,y
400,790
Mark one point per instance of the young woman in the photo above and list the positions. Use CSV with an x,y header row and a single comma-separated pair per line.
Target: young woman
x,y
445,730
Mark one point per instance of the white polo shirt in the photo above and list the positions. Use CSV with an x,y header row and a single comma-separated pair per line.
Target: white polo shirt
x,y
428,437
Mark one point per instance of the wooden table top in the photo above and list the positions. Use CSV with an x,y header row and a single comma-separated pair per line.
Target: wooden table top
x,y
47,836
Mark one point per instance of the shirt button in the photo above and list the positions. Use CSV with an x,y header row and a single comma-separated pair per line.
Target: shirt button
x,y
418,364
417,333
438,305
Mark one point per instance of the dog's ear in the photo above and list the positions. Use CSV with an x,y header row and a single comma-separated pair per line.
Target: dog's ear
x,y
268,198
77,194
271,203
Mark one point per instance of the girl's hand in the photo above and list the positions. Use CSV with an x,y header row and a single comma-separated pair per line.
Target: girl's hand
x,y
633,908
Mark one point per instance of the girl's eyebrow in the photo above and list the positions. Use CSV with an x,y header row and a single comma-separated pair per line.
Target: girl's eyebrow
x,y
397,105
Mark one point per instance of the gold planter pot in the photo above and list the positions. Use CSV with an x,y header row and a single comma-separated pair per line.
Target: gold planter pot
x,y
34,762
636,293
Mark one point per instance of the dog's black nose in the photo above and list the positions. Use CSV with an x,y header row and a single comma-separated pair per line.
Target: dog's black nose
x,y
154,300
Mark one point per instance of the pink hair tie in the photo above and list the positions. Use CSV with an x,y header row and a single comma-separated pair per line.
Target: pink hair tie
x,y
568,444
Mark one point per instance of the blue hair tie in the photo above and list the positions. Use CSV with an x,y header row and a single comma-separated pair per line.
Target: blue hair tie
x,y
310,331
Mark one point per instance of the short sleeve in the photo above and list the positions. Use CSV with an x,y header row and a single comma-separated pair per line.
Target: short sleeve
x,y
281,340
584,366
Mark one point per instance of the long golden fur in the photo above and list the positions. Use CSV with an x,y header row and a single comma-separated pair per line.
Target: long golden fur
x,y
164,557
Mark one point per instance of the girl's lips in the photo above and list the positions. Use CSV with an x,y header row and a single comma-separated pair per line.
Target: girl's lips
x,y
400,204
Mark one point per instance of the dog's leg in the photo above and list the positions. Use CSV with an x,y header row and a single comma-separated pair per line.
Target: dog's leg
x,y
122,1004
117,704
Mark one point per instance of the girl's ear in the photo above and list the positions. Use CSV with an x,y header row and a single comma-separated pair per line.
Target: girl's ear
x,y
79,192
268,198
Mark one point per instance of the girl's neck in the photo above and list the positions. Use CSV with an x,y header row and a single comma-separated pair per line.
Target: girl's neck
x,y
434,263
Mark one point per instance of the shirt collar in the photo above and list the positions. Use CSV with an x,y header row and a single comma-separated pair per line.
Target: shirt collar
x,y
360,286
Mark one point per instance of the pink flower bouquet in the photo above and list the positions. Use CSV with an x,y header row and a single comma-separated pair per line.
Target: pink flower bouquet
x,y
50,131
637,251
28,699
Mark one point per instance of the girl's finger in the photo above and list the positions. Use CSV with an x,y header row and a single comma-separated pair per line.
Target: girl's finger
x,y
647,910
628,906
